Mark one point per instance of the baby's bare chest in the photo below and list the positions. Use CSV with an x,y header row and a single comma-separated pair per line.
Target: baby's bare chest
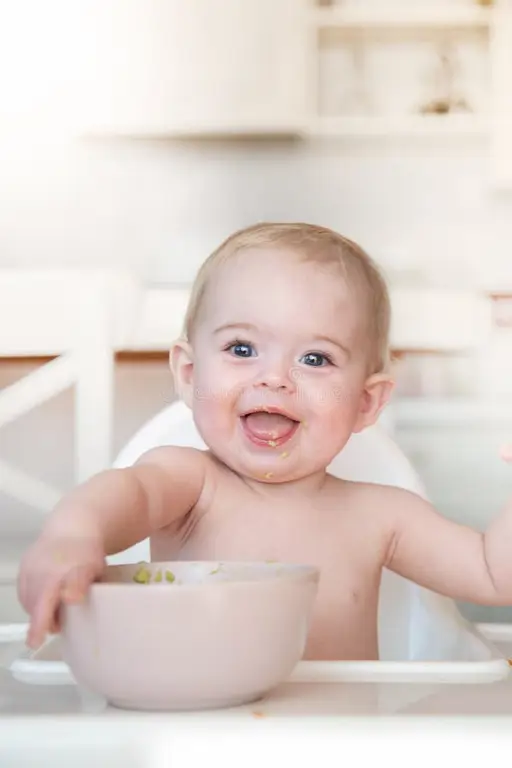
x,y
338,539
325,533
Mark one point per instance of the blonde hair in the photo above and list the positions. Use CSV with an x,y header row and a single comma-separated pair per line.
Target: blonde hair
x,y
317,244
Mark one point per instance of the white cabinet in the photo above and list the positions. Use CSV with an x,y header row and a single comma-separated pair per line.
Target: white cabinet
x,y
501,123
171,67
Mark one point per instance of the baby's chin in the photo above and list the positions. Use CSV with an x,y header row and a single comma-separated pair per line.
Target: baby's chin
x,y
260,473
274,472
276,466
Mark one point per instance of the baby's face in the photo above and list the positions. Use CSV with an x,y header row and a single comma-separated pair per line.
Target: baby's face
x,y
279,366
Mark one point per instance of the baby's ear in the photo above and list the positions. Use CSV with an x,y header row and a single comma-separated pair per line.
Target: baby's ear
x,y
374,398
181,362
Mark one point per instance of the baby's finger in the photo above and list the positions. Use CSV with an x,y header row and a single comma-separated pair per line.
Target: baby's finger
x,y
77,583
42,616
55,625
22,589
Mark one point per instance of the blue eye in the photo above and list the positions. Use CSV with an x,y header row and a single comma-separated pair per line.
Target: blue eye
x,y
241,349
316,360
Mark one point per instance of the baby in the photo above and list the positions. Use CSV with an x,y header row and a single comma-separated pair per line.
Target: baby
x,y
284,356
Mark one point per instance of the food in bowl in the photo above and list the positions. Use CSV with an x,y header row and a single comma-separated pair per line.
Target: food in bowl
x,y
189,635
143,575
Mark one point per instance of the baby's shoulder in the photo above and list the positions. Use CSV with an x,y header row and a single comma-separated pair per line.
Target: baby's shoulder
x,y
172,455
372,495
194,467
184,462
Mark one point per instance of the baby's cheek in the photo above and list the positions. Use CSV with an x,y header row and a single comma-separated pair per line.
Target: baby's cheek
x,y
214,416
321,443
211,428
209,386
219,383
331,423
330,401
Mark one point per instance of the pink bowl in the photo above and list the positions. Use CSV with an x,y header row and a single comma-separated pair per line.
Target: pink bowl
x,y
219,635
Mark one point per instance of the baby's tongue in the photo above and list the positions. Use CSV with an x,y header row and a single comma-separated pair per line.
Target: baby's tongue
x,y
269,426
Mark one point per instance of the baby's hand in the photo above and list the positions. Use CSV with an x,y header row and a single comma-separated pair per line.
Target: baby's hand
x,y
506,453
55,571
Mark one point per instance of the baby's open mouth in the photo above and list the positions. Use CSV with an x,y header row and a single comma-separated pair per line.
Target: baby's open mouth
x,y
271,428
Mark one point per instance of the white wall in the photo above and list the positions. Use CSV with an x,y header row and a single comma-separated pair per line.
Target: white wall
x,y
159,207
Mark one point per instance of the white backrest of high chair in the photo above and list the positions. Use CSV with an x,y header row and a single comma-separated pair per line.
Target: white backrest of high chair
x,y
413,622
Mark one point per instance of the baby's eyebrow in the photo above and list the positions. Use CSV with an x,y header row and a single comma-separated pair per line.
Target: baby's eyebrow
x,y
335,343
235,327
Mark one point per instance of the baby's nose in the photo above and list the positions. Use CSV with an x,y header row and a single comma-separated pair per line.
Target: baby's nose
x,y
277,378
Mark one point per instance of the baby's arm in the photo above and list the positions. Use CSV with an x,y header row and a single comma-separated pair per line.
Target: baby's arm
x,y
449,558
107,514
123,506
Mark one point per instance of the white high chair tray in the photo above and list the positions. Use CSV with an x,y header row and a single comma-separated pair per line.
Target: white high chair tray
x,y
486,664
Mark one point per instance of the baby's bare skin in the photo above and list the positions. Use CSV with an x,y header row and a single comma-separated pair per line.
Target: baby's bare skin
x,y
192,506
350,531
329,530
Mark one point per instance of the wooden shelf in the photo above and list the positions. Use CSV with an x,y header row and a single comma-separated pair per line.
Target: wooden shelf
x,y
247,129
457,125
429,18
401,17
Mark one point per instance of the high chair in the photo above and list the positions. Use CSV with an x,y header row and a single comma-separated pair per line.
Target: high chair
x,y
414,623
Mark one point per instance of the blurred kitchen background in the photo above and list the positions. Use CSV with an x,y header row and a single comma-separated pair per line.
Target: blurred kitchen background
x,y
136,134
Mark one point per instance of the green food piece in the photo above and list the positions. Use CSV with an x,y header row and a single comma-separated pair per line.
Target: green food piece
x,y
169,576
216,570
142,575
158,576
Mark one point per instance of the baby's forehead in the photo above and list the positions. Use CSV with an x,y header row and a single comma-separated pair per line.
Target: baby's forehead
x,y
276,289
274,269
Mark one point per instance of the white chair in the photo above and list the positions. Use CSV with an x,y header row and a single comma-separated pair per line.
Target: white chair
x,y
414,623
